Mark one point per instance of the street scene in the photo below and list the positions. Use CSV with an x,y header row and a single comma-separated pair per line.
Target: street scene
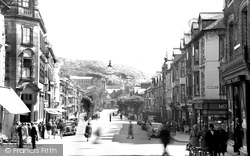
x,y
120,77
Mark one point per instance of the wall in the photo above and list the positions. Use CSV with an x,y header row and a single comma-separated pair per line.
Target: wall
x,y
211,66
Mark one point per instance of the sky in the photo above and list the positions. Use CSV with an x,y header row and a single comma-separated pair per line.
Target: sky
x,y
137,33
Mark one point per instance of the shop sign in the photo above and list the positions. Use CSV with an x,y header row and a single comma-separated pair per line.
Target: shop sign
x,y
217,106
212,87
223,106
198,106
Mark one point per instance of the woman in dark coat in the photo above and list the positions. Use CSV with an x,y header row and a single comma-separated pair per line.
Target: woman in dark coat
x,y
165,137
222,138
88,131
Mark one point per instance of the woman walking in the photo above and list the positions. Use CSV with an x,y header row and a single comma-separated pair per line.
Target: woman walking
x,y
194,136
150,130
88,131
53,129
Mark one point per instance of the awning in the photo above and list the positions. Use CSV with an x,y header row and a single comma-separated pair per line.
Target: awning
x,y
52,111
12,102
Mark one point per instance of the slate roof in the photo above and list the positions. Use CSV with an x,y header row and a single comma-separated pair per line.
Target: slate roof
x,y
218,24
210,15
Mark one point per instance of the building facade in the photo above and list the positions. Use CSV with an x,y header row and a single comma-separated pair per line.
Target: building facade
x,y
235,73
25,33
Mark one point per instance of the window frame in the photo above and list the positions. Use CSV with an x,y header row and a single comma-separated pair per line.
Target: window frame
x,y
27,39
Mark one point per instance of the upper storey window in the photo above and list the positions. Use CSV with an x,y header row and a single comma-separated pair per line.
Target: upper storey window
x,y
24,3
26,35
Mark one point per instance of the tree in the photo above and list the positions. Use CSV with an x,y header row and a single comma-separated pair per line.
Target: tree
x,y
88,106
135,102
132,102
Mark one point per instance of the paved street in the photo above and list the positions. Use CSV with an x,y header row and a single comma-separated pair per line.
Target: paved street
x,y
114,140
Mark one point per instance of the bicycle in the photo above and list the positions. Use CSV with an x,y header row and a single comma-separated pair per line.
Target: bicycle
x,y
198,151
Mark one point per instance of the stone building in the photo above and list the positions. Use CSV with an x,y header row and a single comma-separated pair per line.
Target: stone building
x,y
25,35
234,72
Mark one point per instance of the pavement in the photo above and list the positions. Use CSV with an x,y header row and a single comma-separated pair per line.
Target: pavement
x,y
113,140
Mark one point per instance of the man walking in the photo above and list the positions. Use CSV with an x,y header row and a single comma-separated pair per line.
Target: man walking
x,y
33,134
211,139
20,135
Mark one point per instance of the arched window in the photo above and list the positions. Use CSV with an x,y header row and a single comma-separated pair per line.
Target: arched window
x,y
27,63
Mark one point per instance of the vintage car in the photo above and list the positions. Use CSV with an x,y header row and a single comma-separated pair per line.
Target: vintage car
x,y
69,128
74,119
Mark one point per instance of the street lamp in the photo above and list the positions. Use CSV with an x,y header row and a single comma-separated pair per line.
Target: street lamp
x,y
109,64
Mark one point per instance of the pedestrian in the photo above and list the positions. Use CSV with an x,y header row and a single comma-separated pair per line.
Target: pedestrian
x,y
164,135
194,136
149,130
203,134
130,130
43,130
222,138
48,128
211,140
20,135
53,129
110,117
25,133
88,131
238,134
14,133
121,116
98,134
60,127
33,134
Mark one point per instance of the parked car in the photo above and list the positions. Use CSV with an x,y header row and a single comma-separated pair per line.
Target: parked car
x,y
139,122
95,116
69,128
156,126
75,120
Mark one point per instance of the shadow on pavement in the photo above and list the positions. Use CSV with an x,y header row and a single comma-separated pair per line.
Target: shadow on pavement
x,y
140,136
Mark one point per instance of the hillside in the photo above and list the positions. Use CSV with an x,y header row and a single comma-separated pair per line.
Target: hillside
x,y
117,74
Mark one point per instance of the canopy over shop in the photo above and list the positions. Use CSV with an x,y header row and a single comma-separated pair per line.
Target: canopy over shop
x,y
11,104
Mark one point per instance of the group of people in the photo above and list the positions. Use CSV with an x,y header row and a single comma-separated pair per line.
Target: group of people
x,y
215,140
53,127
22,132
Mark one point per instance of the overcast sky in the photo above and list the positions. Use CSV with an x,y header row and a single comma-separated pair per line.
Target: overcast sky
x,y
133,32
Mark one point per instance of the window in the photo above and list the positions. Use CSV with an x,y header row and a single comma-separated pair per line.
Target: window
x,y
196,84
196,55
182,93
26,3
221,47
26,35
244,26
182,69
26,97
231,39
27,67
41,74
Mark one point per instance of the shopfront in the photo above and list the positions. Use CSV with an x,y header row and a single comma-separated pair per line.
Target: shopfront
x,y
210,111
237,89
